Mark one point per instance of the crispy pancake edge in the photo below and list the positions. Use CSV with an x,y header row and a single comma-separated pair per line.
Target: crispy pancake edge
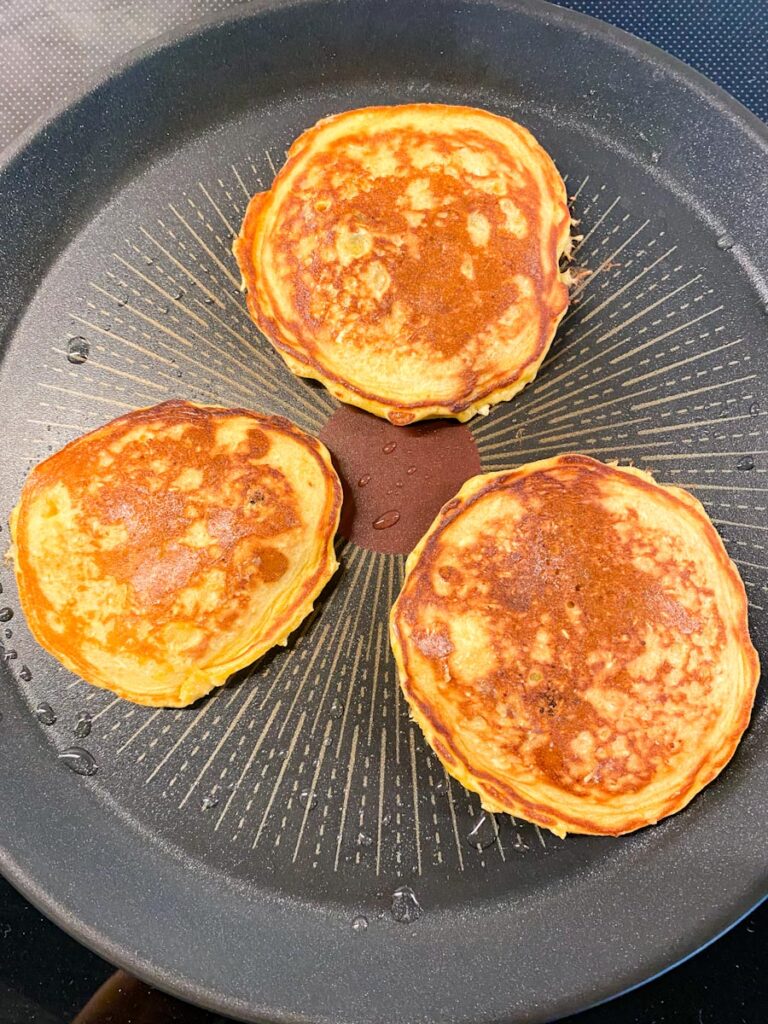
x,y
201,680
499,796
401,414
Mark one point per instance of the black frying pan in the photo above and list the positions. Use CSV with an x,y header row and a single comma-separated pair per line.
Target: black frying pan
x,y
244,853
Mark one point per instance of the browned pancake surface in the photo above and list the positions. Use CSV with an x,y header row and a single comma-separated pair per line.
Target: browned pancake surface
x,y
408,258
170,547
573,639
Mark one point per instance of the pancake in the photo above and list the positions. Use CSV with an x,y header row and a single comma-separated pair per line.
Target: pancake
x,y
408,258
572,639
173,546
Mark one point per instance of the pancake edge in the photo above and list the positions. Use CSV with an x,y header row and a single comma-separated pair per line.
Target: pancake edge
x,y
497,796
200,681
400,414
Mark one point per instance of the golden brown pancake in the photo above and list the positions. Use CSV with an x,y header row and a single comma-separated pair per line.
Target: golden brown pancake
x,y
572,638
173,546
408,258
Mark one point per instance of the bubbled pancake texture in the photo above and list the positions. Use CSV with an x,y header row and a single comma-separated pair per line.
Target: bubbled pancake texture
x,y
165,550
408,258
574,639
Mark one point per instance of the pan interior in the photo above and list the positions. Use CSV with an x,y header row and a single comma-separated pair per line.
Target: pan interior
x,y
305,777
307,766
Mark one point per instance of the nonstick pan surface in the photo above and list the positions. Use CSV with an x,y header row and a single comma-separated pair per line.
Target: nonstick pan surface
x,y
245,853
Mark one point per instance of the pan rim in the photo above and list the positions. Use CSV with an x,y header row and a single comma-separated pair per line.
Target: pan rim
x,y
90,936
595,26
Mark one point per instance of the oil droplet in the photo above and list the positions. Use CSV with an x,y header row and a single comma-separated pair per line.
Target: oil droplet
x,y
148,261
364,840
122,300
360,923
387,520
519,844
6,614
441,787
45,714
483,833
208,300
725,242
405,907
364,480
11,655
78,350
389,448
25,674
754,409
178,293
8,634
411,470
307,799
337,709
745,463
208,802
79,761
162,309
83,727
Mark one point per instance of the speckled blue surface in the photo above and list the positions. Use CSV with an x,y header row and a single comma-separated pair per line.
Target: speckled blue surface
x,y
726,40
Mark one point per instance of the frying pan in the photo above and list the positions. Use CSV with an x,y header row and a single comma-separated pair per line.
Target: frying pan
x,y
288,849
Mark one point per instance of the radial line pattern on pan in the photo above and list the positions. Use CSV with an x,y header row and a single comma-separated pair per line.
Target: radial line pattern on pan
x,y
590,395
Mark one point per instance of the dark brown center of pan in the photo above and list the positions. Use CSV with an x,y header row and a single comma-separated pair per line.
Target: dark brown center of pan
x,y
396,479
